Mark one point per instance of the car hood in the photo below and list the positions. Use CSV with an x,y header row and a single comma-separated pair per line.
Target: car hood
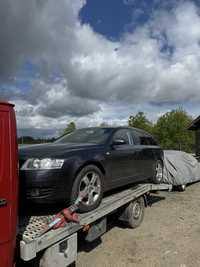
x,y
51,150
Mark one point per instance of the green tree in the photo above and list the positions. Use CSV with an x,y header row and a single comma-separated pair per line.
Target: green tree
x,y
171,130
70,128
140,121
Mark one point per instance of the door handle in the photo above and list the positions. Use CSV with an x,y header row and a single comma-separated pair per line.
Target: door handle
x,y
3,202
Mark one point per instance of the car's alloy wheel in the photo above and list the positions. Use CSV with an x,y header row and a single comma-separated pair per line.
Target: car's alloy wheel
x,y
158,172
88,183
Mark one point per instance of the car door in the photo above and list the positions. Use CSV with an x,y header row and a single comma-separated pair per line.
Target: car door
x,y
146,157
123,159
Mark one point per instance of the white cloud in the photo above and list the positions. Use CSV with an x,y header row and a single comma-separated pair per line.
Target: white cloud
x,y
158,63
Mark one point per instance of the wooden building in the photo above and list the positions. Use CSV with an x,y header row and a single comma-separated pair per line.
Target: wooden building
x,y
195,126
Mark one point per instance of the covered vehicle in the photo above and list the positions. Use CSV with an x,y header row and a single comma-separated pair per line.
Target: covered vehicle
x,y
180,168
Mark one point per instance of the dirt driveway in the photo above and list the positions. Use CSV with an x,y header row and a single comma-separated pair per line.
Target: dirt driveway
x,y
168,236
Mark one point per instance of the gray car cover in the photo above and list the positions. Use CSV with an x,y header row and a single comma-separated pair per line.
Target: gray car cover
x,y
180,168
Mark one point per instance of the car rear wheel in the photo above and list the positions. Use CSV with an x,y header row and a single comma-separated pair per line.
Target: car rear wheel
x,y
88,182
158,175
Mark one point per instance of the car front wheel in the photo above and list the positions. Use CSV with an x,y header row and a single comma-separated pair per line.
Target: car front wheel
x,y
88,183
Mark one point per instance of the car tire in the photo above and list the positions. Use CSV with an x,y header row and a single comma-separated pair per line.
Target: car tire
x,y
158,172
181,188
85,178
134,213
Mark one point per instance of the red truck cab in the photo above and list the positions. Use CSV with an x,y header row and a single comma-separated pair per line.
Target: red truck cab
x,y
8,184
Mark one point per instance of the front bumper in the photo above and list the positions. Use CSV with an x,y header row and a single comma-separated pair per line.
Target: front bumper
x,y
45,186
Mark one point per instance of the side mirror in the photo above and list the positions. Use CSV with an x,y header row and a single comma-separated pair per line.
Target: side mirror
x,y
118,142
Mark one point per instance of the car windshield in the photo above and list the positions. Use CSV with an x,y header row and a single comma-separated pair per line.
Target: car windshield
x,y
86,135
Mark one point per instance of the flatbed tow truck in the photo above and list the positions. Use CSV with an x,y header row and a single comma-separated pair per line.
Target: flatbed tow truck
x,y
55,247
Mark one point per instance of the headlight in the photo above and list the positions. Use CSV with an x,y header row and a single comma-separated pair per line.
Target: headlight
x,y
42,164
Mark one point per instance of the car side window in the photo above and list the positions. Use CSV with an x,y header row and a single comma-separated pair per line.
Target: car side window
x,y
123,134
148,141
135,137
142,139
153,141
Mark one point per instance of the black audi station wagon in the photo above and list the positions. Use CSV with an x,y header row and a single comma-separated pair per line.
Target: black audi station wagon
x,y
90,161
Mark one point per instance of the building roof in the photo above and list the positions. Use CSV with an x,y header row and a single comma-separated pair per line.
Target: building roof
x,y
195,124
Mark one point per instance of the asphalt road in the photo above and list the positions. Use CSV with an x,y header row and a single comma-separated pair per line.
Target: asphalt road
x,y
168,237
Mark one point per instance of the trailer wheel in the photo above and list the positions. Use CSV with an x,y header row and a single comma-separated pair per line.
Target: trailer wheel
x,y
181,188
134,213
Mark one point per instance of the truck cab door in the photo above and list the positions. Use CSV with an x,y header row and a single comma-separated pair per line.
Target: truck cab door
x,y
8,184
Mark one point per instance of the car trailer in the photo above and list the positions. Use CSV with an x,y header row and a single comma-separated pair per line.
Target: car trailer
x,y
59,247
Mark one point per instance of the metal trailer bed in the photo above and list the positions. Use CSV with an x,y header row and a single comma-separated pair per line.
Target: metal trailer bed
x,y
60,246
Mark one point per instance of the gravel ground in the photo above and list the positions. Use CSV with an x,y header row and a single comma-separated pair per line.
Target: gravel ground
x,y
168,236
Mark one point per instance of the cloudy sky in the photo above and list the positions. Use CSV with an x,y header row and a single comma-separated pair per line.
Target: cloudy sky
x,y
94,61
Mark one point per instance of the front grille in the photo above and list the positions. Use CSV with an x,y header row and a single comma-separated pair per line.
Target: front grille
x,y
38,192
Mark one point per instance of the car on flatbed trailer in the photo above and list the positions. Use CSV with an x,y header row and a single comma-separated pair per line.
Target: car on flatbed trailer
x,y
91,160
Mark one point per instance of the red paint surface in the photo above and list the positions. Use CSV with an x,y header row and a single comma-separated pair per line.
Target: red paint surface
x,y
8,184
